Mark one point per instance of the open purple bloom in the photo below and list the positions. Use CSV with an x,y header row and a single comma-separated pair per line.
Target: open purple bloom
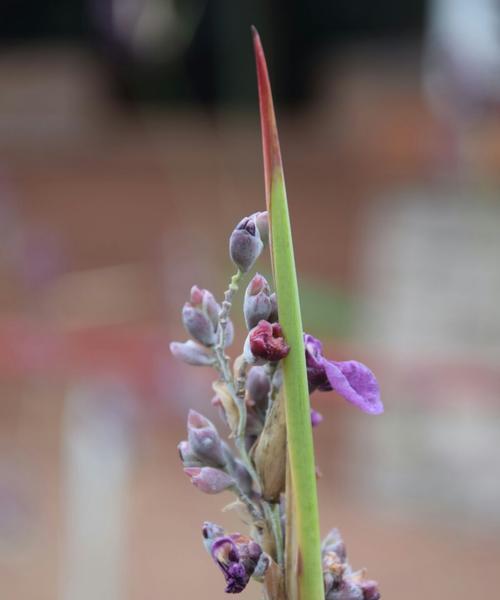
x,y
351,379
237,557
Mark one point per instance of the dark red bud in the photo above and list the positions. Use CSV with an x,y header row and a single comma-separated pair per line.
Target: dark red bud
x,y
267,342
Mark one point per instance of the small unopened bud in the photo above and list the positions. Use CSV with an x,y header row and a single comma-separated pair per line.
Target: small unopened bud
x,y
204,300
209,480
257,304
191,353
188,457
316,417
204,440
198,325
267,343
245,244
200,316
258,386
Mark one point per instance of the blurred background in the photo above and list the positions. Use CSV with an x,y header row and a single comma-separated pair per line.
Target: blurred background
x,y
129,148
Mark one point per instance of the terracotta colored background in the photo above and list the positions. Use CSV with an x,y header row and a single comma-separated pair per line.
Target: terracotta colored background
x,y
107,218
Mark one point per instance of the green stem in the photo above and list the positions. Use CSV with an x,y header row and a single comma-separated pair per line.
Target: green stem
x,y
227,377
273,516
303,555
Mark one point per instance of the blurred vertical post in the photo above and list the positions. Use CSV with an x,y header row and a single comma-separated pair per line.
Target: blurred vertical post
x,y
97,452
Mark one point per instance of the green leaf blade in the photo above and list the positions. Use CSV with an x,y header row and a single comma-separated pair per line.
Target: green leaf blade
x,y
303,545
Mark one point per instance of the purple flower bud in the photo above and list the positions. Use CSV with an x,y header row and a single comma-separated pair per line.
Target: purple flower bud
x,y
316,417
188,457
351,379
238,557
205,301
191,353
273,316
245,244
209,480
257,304
258,386
198,325
204,440
266,342
200,316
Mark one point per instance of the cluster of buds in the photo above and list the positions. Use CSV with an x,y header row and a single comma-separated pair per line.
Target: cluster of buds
x,y
341,582
209,462
251,463
200,316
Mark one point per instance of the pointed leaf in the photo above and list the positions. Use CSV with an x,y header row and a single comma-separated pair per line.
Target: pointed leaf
x,y
304,576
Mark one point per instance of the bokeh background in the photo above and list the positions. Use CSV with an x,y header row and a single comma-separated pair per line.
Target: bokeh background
x,y
129,148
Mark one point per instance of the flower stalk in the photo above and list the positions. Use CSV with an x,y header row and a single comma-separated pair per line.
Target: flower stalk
x,y
262,397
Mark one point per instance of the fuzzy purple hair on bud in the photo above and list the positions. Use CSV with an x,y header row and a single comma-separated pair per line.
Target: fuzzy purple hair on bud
x,y
245,244
209,480
191,353
257,303
204,440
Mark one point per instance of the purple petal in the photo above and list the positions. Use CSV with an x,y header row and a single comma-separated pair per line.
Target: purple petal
x,y
314,351
225,553
356,383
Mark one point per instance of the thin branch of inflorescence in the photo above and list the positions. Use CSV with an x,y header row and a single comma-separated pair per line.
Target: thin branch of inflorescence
x,y
237,390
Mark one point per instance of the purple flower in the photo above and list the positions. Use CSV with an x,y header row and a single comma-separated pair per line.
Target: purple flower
x,y
238,557
351,379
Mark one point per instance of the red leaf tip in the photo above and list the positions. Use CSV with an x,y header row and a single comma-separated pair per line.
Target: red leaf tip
x,y
270,143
